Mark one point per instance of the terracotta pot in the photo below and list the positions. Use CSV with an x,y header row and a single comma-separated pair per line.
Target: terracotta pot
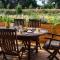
x,y
3,24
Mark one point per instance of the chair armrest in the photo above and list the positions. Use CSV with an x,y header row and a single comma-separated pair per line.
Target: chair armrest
x,y
52,39
55,40
57,34
50,33
53,34
49,38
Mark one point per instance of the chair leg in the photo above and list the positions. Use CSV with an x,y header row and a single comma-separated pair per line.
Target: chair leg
x,y
51,54
59,52
39,45
4,57
21,54
19,57
25,43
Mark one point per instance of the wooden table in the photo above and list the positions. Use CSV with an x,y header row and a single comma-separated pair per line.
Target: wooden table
x,y
28,37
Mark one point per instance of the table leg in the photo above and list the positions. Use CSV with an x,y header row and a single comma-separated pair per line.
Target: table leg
x,y
29,43
37,45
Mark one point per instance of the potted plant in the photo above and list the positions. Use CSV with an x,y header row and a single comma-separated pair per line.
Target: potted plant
x,y
8,21
5,20
2,23
18,9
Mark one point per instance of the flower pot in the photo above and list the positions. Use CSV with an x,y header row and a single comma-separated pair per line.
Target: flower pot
x,y
3,24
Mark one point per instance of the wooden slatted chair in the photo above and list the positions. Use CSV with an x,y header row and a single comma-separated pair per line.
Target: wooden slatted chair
x,y
53,43
48,27
18,22
0,44
9,43
34,23
56,30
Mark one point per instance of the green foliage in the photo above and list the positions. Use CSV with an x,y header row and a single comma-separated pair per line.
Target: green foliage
x,y
55,20
8,6
30,6
1,5
6,19
57,2
24,3
33,16
18,9
48,6
43,19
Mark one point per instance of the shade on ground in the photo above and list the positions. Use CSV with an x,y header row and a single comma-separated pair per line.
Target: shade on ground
x,y
42,55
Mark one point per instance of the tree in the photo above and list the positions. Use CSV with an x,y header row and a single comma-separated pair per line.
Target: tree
x,y
1,4
27,3
12,3
57,3
24,3
5,2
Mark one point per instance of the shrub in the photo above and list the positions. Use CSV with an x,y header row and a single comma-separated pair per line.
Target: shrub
x,y
6,19
55,20
18,9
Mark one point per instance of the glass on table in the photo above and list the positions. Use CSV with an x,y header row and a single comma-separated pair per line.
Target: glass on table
x,y
25,29
20,29
11,25
36,30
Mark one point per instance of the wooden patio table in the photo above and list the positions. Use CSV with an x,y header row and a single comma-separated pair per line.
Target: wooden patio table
x,y
31,36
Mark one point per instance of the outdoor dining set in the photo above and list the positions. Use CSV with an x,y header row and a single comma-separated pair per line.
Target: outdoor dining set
x,y
29,35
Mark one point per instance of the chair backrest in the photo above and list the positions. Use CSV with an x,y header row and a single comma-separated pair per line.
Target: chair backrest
x,y
47,26
18,22
56,30
34,23
8,40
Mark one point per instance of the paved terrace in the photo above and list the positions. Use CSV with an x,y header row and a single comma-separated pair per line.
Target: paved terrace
x,y
42,55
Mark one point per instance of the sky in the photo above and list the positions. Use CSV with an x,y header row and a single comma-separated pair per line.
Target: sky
x,y
39,2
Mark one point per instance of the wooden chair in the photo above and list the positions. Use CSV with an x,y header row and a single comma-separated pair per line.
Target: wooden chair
x,y
0,44
53,43
9,43
49,28
56,30
18,22
34,23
